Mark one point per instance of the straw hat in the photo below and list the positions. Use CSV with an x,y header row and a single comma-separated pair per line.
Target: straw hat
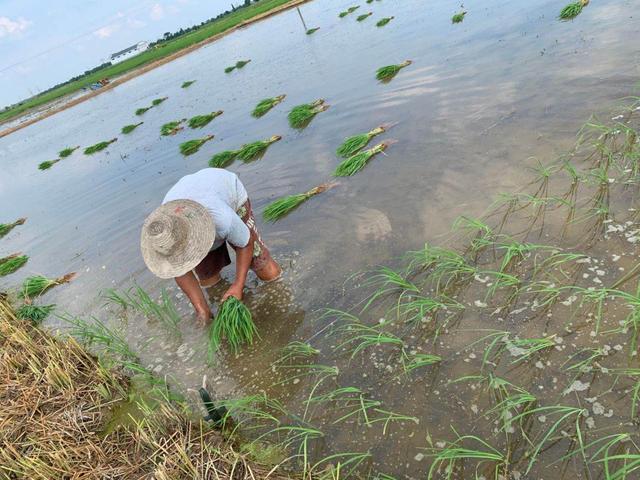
x,y
176,237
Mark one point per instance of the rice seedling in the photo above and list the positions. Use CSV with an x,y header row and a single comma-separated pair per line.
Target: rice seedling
x,y
384,21
572,10
387,281
348,11
12,263
200,121
297,349
234,323
255,150
353,144
283,206
142,110
355,163
163,311
223,159
65,152
452,458
98,147
583,360
311,31
192,146
37,285
339,470
514,403
5,228
230,69
301,115
364,16
171,128
386,74
47,164
158,101
613,452
445,269
265,105
458,17
417,310
187,84
34,313
362,337
241,63
594,299
130,128
520,348
418,360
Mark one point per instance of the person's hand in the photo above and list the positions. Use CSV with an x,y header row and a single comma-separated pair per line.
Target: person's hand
x,y
234,291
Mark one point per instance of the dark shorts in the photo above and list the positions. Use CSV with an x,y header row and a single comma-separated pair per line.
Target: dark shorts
x,y
219,258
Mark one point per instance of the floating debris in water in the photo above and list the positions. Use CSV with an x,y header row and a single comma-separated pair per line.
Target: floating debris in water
x,y
353,144
364,16
12,263
283,206
311,31
254,150
357,162
35,313
233,322
98,147
386,74
38,284
130,128
47,164
265,105
171,128
572,10
5,228
458,17
65,152
187,84
192,146
200,121
301,115
384,21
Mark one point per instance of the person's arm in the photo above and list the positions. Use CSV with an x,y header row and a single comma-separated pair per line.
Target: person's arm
x,y
190,286
243,262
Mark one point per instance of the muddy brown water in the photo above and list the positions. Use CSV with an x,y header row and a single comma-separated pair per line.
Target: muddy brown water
x,y
480,102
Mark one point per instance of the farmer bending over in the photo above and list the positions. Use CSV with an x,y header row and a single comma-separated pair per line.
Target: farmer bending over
x,y
186,237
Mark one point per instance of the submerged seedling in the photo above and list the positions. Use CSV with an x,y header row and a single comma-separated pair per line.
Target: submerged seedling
x,y
364,16
34,313
386,74
353,144
265,105
12,263
233,322
98,146
572,10
458,17
254,150
192,146
283,206
7,227
37,285
187,84
171,128
130,128
357,162
311,31
47,164
200,121
301,115
382,22
65,152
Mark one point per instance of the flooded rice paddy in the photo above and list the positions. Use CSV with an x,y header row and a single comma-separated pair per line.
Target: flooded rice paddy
x,y
531,355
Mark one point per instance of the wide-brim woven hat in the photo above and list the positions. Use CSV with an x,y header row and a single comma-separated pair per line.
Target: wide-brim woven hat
x,y
176,237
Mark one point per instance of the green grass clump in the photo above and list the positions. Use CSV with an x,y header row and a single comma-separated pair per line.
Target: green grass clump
x,y
458,17
35,313
283,206
254,150
357,162
348,11
7,227
200,121
47,164
265,105
192,146
12,263
301,115
35,286
572,10
364,16
65,152
223,159
353,144
384,21
187,84
171,128
158,101
233,322
241,63
386,74
98,147
130,128
142,110
311,31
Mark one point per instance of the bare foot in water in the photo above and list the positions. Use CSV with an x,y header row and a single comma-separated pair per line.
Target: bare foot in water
x,y
210,282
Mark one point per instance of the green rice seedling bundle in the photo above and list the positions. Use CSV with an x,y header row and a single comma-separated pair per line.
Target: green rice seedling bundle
x,y
130,128
230,69
47,164
142,110
241,63
386,74
283,206
223,159
192,146
301,115
187,84
35,286
12,263
369,1
98,147
233,322
384,21
458,17
200,121
35,313
171,128
7,227
311,31
265,105
348,11
357,162
158,101
364,16
65,152
352,145
255,150
572,10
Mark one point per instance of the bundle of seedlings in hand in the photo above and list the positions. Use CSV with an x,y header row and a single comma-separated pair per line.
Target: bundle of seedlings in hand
x,y
241,63
158,101
353,144
65,152
364,16
234,323
348,11
7,227
200,121
171,128
142,110
265,105
187,84
223,159
300,116
47,164
35,313
572,10
192,146
458,17
283,206
12,263
98,146
385,74
357,162
130,128
311,31
37,285
384,21
255,150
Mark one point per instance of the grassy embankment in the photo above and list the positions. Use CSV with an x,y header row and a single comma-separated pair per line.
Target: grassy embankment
x,y
163,50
